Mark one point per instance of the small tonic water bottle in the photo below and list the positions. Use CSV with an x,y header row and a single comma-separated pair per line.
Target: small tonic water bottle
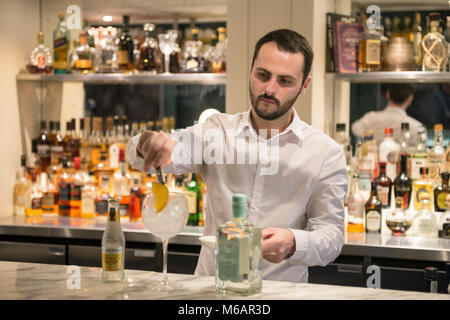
x,y
238,253
113,246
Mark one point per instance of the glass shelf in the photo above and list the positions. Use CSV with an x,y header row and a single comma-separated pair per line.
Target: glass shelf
x,y
121,78
390,77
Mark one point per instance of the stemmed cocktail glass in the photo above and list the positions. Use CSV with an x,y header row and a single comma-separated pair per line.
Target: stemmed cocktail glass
x,y
165,224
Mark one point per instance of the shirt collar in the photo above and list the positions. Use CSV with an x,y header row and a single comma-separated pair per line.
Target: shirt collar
x,y
295,126
391,108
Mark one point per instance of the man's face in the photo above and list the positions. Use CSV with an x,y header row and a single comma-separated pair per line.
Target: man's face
x,y
275,81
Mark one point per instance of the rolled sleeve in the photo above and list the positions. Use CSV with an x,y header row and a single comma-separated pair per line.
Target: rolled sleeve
x,y
322,240
132,156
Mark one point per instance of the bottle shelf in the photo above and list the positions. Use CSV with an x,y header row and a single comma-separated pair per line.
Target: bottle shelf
x,y
133,78
392,76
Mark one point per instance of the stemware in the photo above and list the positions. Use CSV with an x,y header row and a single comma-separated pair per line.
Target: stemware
x,y
167,44
165,224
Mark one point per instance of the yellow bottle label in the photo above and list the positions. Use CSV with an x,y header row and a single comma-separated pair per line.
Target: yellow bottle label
x,y
442,201
372,51
112,259
122,57
83,64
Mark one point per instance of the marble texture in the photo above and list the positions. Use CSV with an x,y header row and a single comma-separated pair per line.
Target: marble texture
x,y
24,281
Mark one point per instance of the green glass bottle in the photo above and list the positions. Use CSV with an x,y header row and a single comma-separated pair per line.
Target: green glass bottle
x,y
193,193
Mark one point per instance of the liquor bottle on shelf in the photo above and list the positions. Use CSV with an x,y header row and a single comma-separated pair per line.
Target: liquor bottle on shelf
x,y
436,156
113,246
34,161
403,183
56,144
85,153
61,41
95,141
83,56
148,52
218,61
425,222
107,54
193,62
33,205
117,145
417,35
373,211
407,30
121,185
238,257
355,205
384,187
137,196
447,38
405,145
126,129
125,54
43,146
64,181
103,173
110,136
369,156
396,28
50,195
76,186
342,139
440,194
444,223
71,145
41,59
434,47
419,157
193,194
399,220
22,188
88,195
387,27
369,56
421,187
389,153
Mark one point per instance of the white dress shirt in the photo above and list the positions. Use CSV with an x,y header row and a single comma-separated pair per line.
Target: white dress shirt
x,y
303,190
390,117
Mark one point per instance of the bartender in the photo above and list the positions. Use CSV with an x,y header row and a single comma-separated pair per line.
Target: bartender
x,y
295,179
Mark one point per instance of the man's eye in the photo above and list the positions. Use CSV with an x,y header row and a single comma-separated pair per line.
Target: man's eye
x,y
262,75
285,82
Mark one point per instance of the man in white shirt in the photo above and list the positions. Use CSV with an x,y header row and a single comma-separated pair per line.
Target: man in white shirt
x,y
295,177
399,97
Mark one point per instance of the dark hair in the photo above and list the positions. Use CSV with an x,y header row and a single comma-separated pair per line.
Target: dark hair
x,y
399,92
288,41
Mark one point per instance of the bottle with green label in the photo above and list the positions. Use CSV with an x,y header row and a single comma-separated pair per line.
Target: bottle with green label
x,y
441,192
113,246
193,194
238,253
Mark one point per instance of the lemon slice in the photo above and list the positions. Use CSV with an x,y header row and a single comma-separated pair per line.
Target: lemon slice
x,y
161,194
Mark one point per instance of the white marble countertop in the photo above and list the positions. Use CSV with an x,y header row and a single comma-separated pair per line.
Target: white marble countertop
x,y
29,281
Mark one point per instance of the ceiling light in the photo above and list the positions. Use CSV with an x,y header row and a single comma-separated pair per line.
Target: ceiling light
x,y
107,18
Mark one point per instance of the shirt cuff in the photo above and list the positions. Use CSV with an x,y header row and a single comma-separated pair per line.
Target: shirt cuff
x,y
132,155
301,245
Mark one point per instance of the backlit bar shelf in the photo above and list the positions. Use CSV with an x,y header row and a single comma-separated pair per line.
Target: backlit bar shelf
x,y
134,78
389,77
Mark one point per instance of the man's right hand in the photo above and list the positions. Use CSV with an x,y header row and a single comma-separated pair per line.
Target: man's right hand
x,y
156,149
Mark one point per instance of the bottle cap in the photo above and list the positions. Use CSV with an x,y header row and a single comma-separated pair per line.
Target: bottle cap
x,y
239,205
405,126
423,170
43,125
430,273
445,175
340,126
383,165
438,127
23,160
388,132
76,162
52,125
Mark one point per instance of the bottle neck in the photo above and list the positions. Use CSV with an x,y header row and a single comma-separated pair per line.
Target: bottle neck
x,y
438,139
403,164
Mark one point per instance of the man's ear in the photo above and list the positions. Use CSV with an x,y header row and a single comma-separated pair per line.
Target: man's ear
x,y
306,84
409,100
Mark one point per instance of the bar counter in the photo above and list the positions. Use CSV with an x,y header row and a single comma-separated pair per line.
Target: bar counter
x,y
382,245
43,281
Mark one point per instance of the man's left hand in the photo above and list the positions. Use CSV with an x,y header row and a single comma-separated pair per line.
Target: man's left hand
x,y
277,244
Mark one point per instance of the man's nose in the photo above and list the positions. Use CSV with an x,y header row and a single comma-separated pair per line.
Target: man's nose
x,y
271,87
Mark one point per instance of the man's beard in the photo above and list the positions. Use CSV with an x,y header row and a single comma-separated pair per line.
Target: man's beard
x,y
280,111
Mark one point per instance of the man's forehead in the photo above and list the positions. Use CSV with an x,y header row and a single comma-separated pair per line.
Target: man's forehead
x,y
271,58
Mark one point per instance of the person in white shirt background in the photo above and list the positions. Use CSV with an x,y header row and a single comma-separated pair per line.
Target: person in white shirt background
x,y
299,201
399,97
